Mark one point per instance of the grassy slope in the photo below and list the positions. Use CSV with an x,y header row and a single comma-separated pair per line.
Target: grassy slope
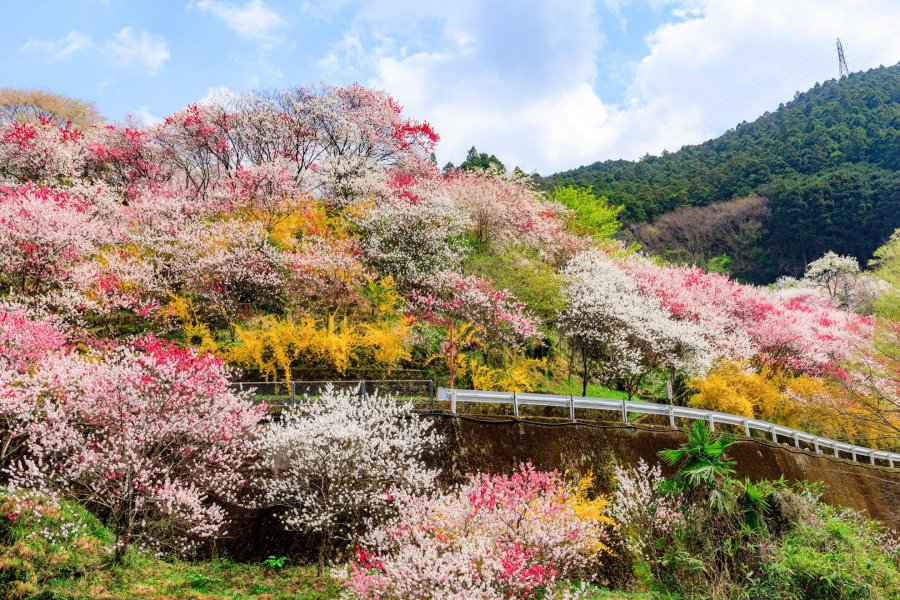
x,y
64,553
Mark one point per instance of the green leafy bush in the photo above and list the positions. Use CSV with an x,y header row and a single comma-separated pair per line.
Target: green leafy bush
x,y
836,555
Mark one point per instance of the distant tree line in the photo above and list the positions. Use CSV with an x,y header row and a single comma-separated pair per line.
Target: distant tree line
x,y
827,163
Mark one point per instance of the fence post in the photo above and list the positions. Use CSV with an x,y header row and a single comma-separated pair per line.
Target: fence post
x,y
712,422
515,400
431,394
671,411
572,407
624,413
293,394
747,428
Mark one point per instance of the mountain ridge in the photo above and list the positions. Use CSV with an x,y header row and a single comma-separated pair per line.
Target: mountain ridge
x,y
827,162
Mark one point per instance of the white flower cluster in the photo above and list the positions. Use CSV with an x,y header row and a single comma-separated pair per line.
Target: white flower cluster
x,y
627,334
334,463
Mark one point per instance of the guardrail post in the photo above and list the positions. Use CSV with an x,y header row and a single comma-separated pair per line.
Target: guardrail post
x,y
712,422
871,457
431,394
624,413
453,402
671,410
572,407
834,447
515,399
747,428
853,453
774,434
891,461
796,440
816,445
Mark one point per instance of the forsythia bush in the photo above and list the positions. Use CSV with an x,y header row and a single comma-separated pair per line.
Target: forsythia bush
x,y
800,401
735,388
520,374
497,536
274,345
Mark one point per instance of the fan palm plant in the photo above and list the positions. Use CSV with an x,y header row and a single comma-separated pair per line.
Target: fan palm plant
x,y
703,465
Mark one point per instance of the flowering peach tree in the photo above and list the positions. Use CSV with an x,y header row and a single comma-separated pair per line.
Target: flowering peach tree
x,y
502,536
621,334
146,434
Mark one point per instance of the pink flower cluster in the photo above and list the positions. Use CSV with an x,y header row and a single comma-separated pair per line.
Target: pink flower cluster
x,y
504,536
802,332
453,297
144,431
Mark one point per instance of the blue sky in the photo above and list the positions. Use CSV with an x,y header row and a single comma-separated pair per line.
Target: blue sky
x,y
544,85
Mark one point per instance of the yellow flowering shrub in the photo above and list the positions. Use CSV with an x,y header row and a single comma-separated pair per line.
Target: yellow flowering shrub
x,y
520,374
273,346
803,402
194,332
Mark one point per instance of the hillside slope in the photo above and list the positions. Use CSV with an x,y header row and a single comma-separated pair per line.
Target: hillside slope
x,y
827,162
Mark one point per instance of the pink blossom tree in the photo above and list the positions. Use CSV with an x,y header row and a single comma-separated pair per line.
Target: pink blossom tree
x,y
44,233
145,434
794,329
26,339
497,537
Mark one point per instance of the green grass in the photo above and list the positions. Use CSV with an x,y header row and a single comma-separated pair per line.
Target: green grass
x,y
60,551
573,386
147,577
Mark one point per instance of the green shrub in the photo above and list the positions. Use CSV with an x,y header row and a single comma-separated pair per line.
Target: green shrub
x,y
837,555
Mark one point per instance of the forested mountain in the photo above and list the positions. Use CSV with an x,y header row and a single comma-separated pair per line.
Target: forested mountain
x,y
826,162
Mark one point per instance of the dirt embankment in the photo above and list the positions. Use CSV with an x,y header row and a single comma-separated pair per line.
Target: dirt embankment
x,y
498,446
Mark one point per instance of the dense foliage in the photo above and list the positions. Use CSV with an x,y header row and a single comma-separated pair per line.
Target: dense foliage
x,y
705,534
827,163
308,232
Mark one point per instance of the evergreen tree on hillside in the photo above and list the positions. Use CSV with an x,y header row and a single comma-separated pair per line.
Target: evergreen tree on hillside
x,y
828,161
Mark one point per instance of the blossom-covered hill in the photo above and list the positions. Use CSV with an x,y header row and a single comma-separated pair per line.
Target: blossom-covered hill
x,y
308,233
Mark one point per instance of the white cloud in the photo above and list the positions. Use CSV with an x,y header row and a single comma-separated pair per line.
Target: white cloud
x,y
146,117
344,56
519,80
252,20
128,48
73,42
219,96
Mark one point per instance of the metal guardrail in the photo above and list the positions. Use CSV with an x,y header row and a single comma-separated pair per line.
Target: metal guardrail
x,y
288,393
624,407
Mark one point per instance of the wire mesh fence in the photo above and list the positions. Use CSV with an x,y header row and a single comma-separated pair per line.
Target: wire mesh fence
x,y
279,394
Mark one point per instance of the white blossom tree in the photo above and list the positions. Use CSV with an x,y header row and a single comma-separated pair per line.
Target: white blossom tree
x,y
835,274
621,334
335,463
